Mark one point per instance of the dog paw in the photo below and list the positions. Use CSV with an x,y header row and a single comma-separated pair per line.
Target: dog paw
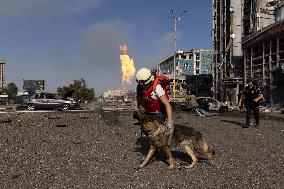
x,y
171,167
137,168
140,166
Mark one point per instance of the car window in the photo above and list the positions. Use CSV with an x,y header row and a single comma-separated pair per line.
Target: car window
x,y
49,96
39,95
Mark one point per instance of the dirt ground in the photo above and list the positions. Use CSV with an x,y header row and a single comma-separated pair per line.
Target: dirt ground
x,y
101,149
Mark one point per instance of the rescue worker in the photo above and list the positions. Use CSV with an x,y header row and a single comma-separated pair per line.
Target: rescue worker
x,y
153,98
252,96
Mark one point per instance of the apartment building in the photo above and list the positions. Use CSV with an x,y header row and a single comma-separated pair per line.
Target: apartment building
x,y
188,63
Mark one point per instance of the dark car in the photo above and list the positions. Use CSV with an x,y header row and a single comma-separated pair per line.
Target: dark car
x,y
49,101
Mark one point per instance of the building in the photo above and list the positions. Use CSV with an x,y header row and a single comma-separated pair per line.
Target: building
x,y
200,85
279,11
2,63
263,47
115,94
190,63
227,56
257,15
203,62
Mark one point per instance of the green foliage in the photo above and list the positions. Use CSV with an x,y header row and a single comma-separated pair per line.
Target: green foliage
x,y
11,90
78,90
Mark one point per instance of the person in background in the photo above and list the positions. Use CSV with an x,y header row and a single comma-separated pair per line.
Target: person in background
x,y
252,97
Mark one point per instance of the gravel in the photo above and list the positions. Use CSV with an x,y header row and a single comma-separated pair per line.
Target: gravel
x,y
102,150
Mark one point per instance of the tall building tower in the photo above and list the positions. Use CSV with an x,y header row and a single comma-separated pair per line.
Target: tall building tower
x,y
227,58
2,63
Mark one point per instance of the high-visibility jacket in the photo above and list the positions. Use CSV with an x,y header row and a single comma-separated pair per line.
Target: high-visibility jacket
x,y
146,100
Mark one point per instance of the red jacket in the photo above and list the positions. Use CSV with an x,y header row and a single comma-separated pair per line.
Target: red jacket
x,y
147,101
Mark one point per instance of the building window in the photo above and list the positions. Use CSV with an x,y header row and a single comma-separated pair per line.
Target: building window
x,y
186,65
197,56
197,64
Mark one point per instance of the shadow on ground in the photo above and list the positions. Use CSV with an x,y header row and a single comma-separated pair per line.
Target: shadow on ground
x,y
233,122
142,146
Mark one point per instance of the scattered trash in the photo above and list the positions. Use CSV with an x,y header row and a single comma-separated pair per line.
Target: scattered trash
x,y
202,112
61,125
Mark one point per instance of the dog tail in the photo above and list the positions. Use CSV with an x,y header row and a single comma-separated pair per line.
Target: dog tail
x,y
204,148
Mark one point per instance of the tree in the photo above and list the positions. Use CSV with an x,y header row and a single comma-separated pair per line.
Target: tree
x,y
11,90
77,90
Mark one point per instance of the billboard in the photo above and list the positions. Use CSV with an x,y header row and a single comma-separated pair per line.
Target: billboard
x,y
33,85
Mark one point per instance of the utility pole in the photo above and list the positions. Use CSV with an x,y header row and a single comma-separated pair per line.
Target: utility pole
x,y
175,19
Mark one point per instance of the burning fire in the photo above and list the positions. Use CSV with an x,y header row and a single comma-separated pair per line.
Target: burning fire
x,y
127,65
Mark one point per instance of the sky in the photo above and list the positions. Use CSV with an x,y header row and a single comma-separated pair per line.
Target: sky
x,y
64,40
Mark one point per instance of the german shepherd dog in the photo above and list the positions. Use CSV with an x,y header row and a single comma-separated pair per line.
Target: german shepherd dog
x,y
185,136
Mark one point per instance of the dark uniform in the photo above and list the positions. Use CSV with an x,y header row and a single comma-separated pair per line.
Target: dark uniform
x,y
251,106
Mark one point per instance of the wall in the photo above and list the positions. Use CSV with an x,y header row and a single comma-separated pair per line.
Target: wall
x,y
237,27
206,62
279,14
186,66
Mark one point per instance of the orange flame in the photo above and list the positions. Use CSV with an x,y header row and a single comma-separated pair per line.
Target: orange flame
x,y
127,65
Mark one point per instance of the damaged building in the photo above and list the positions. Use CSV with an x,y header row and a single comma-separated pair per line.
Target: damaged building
x,y
263,47
247,41
191,67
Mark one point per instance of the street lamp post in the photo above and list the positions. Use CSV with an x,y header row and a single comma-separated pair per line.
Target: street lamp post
x,y
175,19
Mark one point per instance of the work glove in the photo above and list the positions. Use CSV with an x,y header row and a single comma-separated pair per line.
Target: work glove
x,y
170,126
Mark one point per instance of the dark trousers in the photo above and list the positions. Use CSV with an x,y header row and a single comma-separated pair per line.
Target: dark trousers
x,y
252,108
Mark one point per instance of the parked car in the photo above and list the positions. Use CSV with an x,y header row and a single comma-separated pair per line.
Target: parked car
x,y
209,103
49,101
